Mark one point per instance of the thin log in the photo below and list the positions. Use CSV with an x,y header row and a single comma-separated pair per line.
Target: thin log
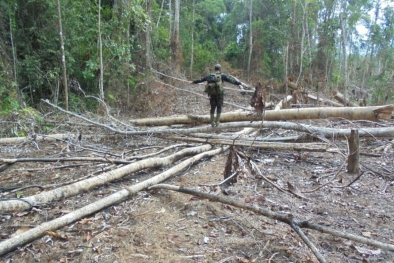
x,y
372,113
39,231
341,98
292,85
68,159
90,183
311,246
53,137
325,102
354,152
283,102
306,147
283,217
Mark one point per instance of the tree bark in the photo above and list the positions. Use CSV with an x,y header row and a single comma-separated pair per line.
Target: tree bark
x,y
175,40
354,152
373,113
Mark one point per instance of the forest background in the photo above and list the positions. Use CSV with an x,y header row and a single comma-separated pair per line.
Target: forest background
x,y
114,48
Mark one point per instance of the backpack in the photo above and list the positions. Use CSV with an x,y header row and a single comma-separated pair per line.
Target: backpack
x,y
214,84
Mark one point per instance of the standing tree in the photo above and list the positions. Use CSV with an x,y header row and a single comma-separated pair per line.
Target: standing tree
x,y
101,81
148,64
342,20
175,40
65,86
250,35
192,40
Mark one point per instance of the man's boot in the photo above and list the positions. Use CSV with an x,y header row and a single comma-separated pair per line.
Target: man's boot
x,y
212,122
217,119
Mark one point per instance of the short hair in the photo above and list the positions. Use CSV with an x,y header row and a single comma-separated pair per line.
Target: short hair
x,y
217,67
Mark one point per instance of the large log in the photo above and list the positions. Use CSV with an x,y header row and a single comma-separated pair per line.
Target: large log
x,y
373,113
90,183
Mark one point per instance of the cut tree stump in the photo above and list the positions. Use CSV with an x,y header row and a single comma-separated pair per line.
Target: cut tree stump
x,y
354,152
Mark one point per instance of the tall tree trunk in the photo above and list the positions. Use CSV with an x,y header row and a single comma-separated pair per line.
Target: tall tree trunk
x,y
373,39
101,81
63,55
175,41
344,50
14,59
192,47
250,35
148,64
161,10
170,18
302,43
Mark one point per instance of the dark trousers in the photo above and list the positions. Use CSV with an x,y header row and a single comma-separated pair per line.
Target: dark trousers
x,y
216,101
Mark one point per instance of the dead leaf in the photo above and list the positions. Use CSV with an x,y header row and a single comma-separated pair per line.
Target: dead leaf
x,y
55,235
21,230
88,236
85,220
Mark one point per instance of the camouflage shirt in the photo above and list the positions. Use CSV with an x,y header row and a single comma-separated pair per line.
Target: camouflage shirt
x,y
224,78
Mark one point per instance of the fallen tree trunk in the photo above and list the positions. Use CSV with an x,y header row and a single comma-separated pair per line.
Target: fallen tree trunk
x,y
39,231
325,102
341,98
283,102
90,183
68,159
375,113
53,137
307,147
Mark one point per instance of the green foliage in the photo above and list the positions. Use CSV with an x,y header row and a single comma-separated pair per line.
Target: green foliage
x,y
220,31
8,104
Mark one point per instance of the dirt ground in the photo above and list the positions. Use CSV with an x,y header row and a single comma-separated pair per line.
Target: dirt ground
x,y
165,226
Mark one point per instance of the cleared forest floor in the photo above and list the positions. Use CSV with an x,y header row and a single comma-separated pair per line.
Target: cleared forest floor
x,y
165,226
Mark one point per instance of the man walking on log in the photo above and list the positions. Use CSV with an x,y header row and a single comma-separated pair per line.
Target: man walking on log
x,y
214,89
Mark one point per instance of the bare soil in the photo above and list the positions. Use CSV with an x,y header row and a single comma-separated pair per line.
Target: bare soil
x,y
165,226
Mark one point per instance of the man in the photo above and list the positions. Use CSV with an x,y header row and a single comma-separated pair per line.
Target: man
x,y
216,98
